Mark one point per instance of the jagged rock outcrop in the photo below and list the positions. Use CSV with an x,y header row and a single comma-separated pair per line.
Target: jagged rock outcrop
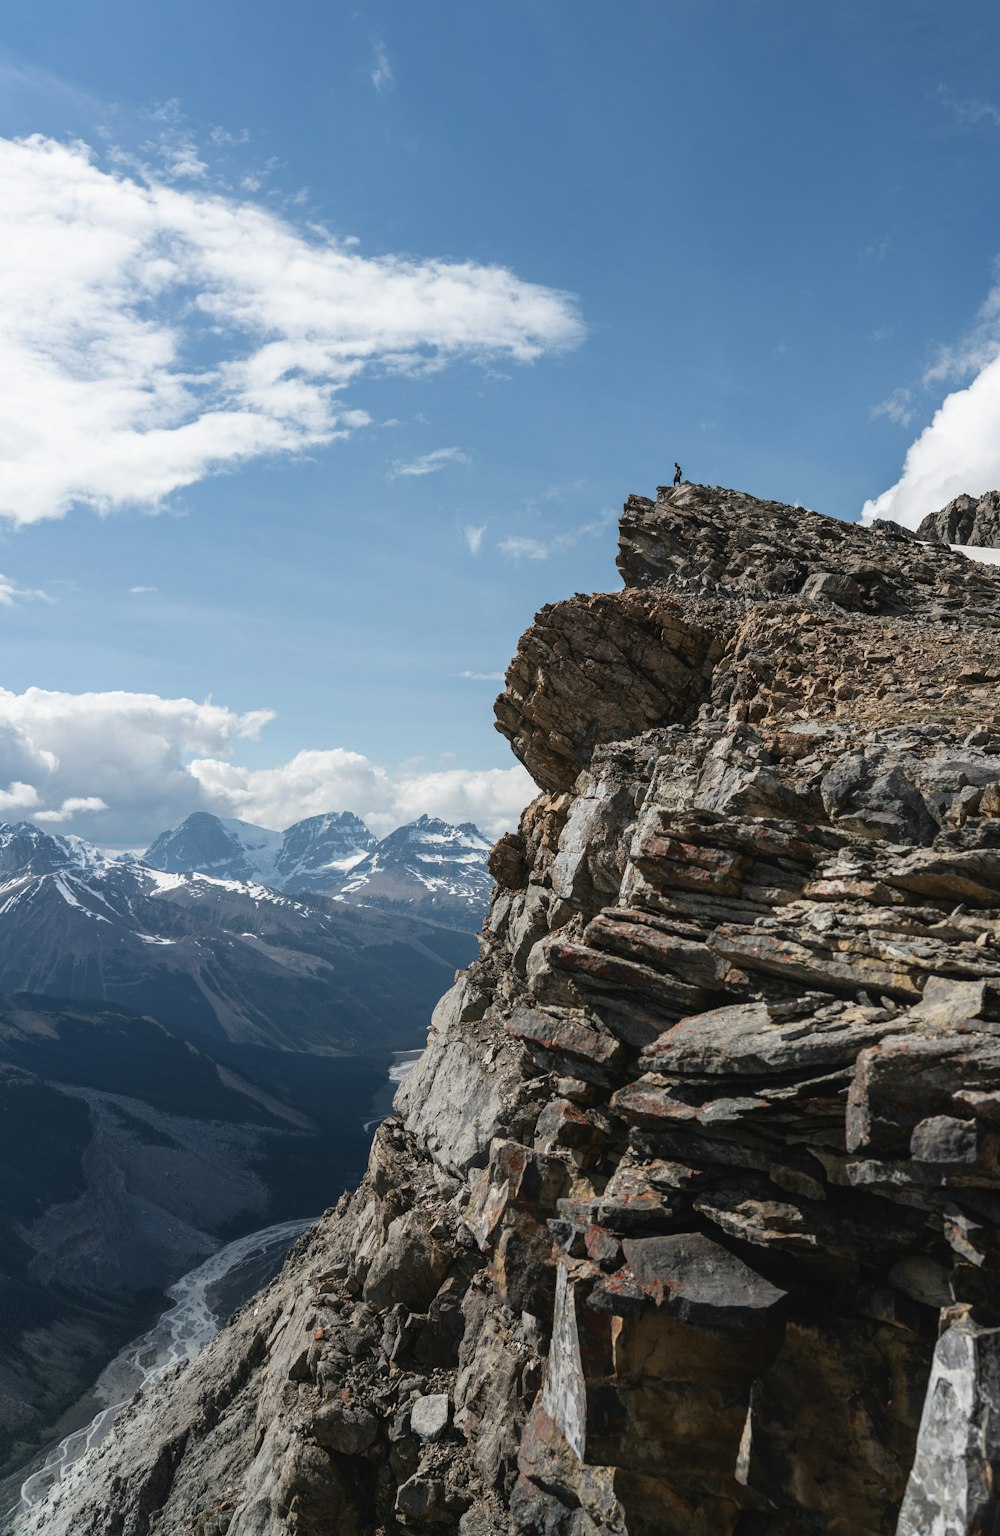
x,y
688,1220
966,520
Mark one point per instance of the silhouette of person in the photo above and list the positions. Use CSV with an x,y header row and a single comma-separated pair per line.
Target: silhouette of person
x,y
677,473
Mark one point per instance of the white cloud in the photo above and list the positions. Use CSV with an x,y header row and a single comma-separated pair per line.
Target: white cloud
x,y
430,463
71,808
121,767
876,252
518,548
959,451
155,334
474,538
382,75
11,593
897,407
483,677
138,590
979,346
130,751
18,799
971,112
339,780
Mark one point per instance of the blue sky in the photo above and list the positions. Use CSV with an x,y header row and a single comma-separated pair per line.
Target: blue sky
x,y
755,235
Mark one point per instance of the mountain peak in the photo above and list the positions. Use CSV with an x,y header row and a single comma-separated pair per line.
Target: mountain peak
x,y
208,845
428,867
27,849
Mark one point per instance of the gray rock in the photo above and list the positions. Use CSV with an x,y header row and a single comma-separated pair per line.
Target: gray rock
x,y
344,1427
831,587
952,1488
700,1281
868,793
966,520
429,1416
744,1039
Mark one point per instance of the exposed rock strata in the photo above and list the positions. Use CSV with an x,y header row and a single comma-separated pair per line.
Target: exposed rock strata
x,y
966,520
689,1220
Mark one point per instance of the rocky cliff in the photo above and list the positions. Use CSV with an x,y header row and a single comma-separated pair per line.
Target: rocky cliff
x,y
966,520
688,1220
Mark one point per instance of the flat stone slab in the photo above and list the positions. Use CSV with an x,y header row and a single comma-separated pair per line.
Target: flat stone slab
x,y
743,1039
699,1281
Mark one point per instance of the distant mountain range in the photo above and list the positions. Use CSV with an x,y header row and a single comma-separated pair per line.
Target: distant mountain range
x,y
427,868
312,855
216,958
189,1046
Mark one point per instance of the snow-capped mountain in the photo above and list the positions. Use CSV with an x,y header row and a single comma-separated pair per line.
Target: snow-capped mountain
x,y
310,855
26,849
210,845
315,854
427,867
213,958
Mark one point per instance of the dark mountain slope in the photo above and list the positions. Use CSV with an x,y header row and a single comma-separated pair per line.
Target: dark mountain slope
x,y
222,959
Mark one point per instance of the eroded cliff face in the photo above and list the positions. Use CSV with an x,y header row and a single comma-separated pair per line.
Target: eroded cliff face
x,y
688,1221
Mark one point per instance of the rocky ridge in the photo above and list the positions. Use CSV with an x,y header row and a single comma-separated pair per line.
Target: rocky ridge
x,y
966,520
688,1220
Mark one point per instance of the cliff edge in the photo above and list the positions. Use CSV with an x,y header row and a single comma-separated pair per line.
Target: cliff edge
x,y
688,1220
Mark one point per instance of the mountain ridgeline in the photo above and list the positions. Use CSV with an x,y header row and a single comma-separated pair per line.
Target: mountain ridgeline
x,y
687,1222
427,868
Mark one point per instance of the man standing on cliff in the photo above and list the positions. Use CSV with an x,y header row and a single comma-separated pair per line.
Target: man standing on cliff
x,y
677,473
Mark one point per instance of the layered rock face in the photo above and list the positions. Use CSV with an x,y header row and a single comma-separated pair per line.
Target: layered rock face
x,y
688,1221
966,520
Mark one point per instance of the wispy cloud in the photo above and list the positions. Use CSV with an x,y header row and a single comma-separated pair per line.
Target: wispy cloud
x,y
483,677
72,807
382,75
156,333
974,349
972,112
224,136
474,538
173,144
552,493
897,407
138,590
11,593
430,463
877,251
518,548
